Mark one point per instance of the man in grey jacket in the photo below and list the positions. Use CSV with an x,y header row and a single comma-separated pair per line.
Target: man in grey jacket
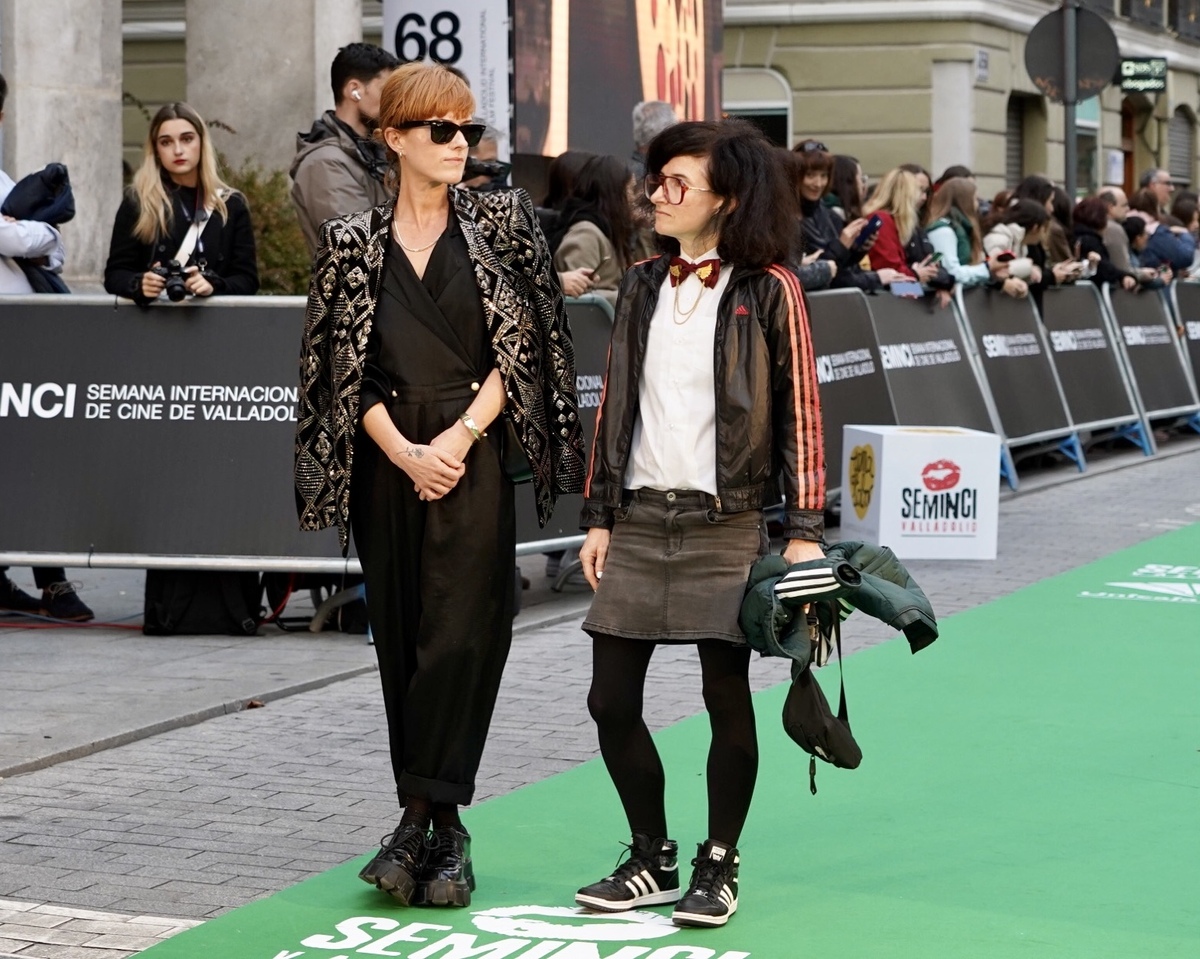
x,y
1115,240
339,167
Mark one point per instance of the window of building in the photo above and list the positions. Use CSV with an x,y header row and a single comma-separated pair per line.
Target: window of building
x,y
1183,16
761,96
1181,139
1014,141
1152,13
1087,141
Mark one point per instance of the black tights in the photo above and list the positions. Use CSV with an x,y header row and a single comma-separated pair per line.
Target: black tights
x,y
615,702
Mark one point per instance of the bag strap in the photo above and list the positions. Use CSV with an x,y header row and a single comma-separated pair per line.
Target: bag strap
x,y
843,712
235,605
192,237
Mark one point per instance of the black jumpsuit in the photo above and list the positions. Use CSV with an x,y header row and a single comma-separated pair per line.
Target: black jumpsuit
x,y
439,575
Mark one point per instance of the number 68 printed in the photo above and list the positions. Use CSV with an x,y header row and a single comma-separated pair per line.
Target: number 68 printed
x,y
442,45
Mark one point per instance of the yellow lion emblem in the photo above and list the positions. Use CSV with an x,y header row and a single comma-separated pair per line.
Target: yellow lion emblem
x,y
862,479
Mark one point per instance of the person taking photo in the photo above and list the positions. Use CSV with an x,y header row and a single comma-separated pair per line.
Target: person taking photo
x,y
180,229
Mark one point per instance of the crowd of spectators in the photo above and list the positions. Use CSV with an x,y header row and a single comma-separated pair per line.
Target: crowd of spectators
x,y
920,237
182,232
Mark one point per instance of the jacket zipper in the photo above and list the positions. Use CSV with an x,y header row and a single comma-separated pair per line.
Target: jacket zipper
x,y
718,341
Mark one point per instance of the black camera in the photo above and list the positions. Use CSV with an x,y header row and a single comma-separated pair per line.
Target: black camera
x,y
173,274
496,170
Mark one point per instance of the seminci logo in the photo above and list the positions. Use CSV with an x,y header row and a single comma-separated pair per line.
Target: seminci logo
x,y
1154,583
512,932
940,475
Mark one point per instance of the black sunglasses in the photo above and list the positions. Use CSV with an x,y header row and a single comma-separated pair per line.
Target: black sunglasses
x,y
443,131
813,146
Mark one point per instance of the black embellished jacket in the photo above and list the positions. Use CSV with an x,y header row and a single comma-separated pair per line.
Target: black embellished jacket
x,y
527,324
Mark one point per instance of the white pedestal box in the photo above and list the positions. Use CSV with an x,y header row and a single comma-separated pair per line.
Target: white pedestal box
x,y
927,492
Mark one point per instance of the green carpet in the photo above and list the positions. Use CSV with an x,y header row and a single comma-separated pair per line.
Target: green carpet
x,y
1030,788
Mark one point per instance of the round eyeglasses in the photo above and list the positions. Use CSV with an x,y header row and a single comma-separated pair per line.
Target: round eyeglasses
x,y
673,188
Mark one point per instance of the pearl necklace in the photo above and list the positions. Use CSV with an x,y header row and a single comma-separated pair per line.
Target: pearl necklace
x,y
419,249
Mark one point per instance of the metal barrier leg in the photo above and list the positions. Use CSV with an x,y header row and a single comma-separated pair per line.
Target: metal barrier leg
x,y
340,598
1072,449
1135,432
1008,469
565,574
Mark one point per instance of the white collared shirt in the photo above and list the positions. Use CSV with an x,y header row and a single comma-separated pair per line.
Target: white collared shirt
x,y
675,435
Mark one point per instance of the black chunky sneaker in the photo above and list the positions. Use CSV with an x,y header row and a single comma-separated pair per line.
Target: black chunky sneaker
x,y
648,877
60,601
398,863
13,599
448,878
712,896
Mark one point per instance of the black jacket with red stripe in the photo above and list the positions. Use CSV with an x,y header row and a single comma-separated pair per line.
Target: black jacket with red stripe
x,y
768,411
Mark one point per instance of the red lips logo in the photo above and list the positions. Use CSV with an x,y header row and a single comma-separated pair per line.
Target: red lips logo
x,y
940,475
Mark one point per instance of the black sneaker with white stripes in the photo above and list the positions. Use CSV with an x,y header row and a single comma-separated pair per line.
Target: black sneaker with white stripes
x,y
712,896
648,877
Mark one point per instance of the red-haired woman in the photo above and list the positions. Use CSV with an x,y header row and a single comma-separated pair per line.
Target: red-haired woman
x,y
429,319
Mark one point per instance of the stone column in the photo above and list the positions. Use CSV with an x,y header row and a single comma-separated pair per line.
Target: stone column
x,y
262,68
62,61
952,120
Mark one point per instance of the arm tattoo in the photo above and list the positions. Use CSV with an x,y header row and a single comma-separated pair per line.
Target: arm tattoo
x,y
414,451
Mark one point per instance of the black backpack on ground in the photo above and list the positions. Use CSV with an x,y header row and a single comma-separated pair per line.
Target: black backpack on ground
x,y
196,602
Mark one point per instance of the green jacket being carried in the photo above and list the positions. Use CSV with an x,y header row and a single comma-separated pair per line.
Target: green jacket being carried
x,y
851,576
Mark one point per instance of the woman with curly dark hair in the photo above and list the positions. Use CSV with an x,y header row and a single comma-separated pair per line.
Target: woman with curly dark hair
x,y
710,408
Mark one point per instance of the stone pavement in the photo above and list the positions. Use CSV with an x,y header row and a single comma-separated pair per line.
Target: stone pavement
x,y
205,817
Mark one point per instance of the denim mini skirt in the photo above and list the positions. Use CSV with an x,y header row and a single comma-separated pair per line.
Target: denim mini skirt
x,y
676,569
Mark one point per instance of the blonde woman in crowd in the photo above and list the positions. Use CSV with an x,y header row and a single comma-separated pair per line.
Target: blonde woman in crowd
x,y
180,229
897,202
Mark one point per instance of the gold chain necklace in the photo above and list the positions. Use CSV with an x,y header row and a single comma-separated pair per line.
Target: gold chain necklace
x,y
686,314
419,249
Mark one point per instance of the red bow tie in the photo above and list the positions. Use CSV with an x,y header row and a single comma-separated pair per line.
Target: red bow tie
x,y
707,271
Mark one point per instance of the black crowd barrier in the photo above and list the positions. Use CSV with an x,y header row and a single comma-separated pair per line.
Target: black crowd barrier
x,y
1094,381
1156,363
928,365
1186,301
591,329
163,437
850,371
1011,347
165,431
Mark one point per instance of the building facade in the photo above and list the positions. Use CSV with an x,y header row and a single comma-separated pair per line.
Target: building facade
x,y
935,82
941,82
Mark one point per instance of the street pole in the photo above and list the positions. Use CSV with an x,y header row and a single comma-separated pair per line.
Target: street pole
x,y
1070,94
